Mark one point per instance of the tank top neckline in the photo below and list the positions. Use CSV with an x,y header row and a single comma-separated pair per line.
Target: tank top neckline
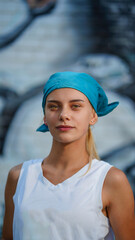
x,y
72,178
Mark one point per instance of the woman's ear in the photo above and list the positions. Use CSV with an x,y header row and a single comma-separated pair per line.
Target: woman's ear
x,y
45,122
94,118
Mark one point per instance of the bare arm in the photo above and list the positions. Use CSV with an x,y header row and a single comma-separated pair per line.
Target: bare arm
x,y
10,189
120,205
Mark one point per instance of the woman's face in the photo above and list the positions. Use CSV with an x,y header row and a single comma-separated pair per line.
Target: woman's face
x,y
68,114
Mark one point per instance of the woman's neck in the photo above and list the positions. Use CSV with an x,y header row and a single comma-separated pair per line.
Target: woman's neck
x,y
68,156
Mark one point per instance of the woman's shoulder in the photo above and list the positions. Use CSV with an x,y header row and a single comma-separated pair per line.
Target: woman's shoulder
x,y
117,185
115,177
15,171
12,181
119,202
13,176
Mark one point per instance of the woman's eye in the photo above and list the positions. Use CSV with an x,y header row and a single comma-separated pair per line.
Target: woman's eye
x,y
53,107
75,106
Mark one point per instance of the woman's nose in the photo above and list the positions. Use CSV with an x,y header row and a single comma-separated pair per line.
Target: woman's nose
x,y
64,115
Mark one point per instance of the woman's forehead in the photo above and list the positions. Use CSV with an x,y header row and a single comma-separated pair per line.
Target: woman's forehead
x,y
66,93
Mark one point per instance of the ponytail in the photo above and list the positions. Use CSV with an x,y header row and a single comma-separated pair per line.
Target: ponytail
x,y
90,147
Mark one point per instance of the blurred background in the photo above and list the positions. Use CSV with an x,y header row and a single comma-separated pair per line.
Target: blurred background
x,y
40,37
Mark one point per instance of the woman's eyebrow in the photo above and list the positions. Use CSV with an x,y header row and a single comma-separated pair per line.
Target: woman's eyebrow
x,y
53,101
76,100
73,100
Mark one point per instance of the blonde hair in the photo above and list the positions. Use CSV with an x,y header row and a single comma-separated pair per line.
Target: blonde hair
x,y
90,147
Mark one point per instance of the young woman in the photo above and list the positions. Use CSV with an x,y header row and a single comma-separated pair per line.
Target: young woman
x,y
70,194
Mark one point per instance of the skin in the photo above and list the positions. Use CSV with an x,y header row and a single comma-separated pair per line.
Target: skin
x,y
68,154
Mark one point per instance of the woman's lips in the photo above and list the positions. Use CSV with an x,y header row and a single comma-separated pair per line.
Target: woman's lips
x,y
64,128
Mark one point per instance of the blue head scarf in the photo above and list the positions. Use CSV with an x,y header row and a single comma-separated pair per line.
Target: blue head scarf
x,y
83,83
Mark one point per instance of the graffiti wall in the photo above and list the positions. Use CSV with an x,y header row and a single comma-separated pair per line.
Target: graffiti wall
x,y
38,38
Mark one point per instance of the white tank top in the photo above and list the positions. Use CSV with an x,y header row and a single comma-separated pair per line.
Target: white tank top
x,y
71,210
